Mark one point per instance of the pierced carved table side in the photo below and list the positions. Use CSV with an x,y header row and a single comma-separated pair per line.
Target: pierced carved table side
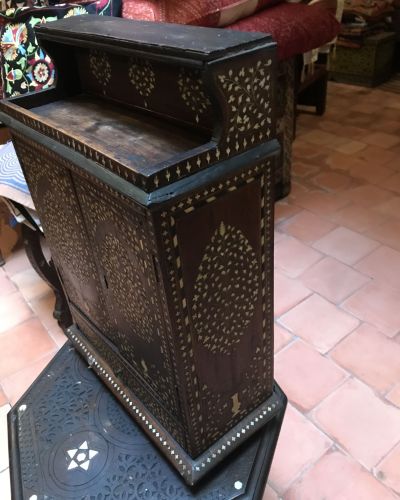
x,y
70,439
151,165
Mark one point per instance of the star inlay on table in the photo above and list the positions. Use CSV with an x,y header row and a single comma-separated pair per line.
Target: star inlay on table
x,y
81,457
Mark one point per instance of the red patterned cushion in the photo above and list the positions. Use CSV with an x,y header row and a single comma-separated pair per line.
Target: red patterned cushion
x,y
198,12
296,27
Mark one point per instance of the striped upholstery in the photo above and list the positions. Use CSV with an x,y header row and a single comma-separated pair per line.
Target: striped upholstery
x,y
12,180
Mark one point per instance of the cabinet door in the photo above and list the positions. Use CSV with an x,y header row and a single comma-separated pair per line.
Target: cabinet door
x,y
50,182
120,236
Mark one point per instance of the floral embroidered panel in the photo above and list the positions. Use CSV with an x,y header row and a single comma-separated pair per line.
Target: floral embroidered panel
x,y
25,67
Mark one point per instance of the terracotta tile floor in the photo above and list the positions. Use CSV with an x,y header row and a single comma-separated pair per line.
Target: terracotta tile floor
x,y
337,288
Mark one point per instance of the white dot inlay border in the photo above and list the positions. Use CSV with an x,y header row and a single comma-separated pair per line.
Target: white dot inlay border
x,y
185,465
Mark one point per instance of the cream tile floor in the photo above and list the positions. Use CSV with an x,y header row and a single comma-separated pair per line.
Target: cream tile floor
x,y
337,296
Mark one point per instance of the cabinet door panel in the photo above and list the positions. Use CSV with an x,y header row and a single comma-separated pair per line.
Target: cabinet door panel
x,y
122,245
52,189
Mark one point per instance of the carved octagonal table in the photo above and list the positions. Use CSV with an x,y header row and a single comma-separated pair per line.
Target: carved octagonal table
x,y
71,439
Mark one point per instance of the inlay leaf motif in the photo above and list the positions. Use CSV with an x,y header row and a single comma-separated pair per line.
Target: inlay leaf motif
x,y
100,67
142,77
128,288
249,94
226,290
191,90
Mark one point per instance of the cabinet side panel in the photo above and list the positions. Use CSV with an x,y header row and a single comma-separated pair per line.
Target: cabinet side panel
x,y
219,262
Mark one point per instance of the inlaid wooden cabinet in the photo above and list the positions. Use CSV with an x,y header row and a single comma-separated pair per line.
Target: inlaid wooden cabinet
x,y
151,164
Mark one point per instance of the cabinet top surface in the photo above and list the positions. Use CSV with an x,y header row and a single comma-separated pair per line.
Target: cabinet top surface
x,y
184,41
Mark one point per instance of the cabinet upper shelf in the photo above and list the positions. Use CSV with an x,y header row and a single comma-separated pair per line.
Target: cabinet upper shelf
x,y
152,102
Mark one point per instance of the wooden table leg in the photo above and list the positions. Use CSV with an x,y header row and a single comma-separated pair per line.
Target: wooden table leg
x,y
47,271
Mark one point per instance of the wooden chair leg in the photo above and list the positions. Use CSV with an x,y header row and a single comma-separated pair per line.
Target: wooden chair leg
x,y
313,91
47,271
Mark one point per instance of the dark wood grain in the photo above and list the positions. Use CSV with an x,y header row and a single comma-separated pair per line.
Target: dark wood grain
x,y
134,139
192,42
